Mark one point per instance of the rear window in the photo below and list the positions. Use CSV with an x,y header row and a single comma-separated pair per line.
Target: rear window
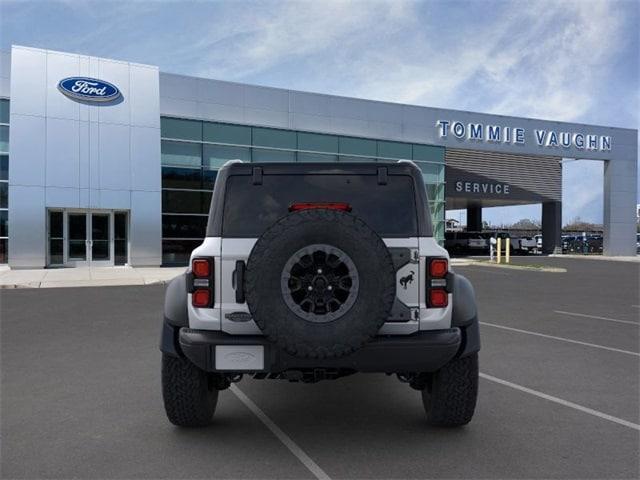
x,y
389,209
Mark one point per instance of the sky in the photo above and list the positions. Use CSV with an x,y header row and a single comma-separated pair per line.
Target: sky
x,y
559,60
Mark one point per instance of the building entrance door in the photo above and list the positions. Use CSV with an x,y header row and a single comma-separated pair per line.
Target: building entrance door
x,y
87,238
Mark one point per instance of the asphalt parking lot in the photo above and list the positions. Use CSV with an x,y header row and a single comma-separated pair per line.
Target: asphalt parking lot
x,y
559,396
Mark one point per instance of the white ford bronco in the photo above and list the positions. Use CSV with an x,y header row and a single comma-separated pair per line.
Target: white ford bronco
x,y
315,271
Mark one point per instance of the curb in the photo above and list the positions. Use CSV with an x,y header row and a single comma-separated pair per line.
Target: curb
x,y
517,267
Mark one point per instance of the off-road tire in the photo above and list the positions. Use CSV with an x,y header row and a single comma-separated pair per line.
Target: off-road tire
x,y
450,395
355,327
189,394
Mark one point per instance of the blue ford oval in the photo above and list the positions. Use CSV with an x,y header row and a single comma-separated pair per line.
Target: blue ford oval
x,y
89,89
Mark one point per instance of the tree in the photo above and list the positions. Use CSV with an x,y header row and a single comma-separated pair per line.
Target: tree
x,y
525,224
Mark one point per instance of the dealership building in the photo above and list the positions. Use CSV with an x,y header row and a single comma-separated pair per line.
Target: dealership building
x,y
107,162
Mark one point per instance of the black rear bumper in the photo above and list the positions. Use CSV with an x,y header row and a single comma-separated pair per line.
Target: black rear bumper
x,y
425,351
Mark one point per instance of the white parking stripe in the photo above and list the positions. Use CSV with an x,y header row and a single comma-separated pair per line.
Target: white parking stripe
x,y
280,435
563,339
560,401
596,317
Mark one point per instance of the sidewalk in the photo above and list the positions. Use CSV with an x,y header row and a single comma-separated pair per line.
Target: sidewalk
x,y
86,277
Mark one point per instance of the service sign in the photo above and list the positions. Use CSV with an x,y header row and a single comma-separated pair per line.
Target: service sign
x,y
88,89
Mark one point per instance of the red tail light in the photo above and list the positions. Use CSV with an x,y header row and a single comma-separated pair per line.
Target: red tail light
x,y
438,267
438,298
201,267
201,298
201,283
437,283
296,207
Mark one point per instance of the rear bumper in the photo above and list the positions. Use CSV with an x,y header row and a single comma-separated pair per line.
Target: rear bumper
x,y
420,352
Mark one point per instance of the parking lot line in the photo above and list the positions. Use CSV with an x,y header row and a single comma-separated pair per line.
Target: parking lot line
x,y
280,435
560,401
563,339
596,317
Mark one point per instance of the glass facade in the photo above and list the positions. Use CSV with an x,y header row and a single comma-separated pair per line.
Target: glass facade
x,y
4,180
193,151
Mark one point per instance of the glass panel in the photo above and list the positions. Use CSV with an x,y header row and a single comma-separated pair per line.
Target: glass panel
x,y
346,158
358,146
184,226
55,252
4,139
431,172
255,207
99,227
271,137
4,111
209,179
217,155
120,238
317,143
4,223
316,157
180,153
260,155
4,250
428,153
177,252
178,128
4,167
224,133
55,225
394,150
180,201
77,236
4,194
174,177
435,191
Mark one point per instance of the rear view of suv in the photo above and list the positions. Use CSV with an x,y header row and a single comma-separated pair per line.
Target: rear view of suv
x,y
313,272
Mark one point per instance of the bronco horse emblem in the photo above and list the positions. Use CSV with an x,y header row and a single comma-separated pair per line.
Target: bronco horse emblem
x,y
404,281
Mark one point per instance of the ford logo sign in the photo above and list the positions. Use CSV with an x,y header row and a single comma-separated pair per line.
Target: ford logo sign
x,y
89,89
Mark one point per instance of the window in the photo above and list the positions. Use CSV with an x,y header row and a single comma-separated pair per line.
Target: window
x,y
346,158
177,252
4,220
255,207
4,167
428,153
431,172
317,143
271,137
394,150
215,156
4,139
175,177
209,179
120,245
184,226
182,129
224,133
181,153
4,194
4,111
358,146
262,155
316,157
184,201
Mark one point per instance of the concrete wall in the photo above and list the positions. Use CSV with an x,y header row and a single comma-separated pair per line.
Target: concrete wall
x,y
71,154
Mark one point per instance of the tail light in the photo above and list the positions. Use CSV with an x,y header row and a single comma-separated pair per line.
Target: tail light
x,y
200,282
437,283
296,207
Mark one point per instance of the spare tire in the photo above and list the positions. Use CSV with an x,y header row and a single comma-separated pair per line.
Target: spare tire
x,y
320,283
